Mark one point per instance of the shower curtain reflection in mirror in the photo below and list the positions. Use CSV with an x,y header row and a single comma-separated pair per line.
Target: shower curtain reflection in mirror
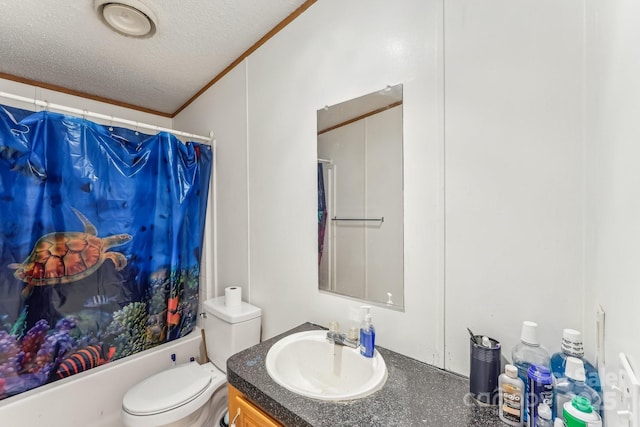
x,y
322,212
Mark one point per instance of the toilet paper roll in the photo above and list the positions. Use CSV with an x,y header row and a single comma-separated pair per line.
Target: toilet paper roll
x,y
233,296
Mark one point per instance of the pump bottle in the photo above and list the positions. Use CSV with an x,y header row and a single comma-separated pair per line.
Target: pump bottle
x,y
367,334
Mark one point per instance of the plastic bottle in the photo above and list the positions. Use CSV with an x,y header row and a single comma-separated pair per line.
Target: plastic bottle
x,y
528,351
545,419
579,413
573,384
511,397
541,389
572,346
367,335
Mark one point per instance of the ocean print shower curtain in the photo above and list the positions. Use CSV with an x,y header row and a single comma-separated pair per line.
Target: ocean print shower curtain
x,y
322,212
101,231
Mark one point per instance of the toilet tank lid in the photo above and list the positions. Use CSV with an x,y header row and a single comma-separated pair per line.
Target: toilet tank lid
x,y
244,312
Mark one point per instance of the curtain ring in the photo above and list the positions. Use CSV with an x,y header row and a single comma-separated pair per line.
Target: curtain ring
x,y
111,125
84,114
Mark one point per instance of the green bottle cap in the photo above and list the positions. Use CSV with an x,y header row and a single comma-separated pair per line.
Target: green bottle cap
x,y
582,404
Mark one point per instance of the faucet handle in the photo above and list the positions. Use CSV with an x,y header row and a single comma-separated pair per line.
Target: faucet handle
x,y
353,334
334,326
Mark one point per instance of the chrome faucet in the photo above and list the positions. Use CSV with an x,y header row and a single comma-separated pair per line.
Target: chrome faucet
x,y
341,339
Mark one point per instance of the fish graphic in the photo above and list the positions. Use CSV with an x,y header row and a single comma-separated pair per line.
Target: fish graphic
x,y
83,359
173,316
99,300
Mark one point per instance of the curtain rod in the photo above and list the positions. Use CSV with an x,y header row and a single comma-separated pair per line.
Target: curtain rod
x,y
84,113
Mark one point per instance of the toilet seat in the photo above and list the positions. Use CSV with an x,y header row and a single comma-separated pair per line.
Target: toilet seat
x,y
172,394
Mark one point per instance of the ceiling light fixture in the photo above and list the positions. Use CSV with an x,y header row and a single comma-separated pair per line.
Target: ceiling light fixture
x,y
128,17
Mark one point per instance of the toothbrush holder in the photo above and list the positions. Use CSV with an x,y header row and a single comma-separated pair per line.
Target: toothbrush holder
x,y
485,369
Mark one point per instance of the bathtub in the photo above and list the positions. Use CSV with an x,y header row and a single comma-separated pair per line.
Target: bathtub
x,y
94,398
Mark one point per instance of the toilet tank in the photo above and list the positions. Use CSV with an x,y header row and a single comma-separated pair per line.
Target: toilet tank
x,y
229,330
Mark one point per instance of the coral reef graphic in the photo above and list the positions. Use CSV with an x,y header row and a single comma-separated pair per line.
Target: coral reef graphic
x,y
129,327
28,361
43,354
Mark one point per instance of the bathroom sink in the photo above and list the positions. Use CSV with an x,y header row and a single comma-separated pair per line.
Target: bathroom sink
x,y
307,364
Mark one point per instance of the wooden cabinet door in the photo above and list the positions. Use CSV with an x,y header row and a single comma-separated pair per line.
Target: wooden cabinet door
x,y
245,413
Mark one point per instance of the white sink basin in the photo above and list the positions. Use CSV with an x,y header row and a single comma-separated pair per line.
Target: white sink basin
x,y
307,364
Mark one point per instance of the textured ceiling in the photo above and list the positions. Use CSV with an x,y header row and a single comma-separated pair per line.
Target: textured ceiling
x,y
64,43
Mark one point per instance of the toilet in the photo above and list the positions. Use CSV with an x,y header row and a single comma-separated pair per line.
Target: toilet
x,y
191,394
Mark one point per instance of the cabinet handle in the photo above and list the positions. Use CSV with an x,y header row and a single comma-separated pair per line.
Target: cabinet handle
x,y
233,422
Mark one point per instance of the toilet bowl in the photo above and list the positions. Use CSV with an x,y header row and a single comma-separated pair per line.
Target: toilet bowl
x,y
191,394
186,395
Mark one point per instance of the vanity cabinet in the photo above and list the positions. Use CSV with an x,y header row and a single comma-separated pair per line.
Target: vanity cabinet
x,y
250,415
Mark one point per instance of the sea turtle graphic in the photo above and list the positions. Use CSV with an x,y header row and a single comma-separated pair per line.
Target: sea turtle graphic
x,y
67,256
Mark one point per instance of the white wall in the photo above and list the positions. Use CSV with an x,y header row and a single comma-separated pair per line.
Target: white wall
x,y
496,165
514,170
514,176
617,175
333,52
614,197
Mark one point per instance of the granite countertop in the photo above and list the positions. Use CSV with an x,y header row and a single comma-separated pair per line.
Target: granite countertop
x,y
415,394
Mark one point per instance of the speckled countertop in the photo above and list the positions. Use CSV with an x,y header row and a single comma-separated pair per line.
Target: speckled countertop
x,y
415,394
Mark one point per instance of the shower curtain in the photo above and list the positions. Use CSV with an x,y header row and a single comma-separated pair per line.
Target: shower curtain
x,y
101,231
322,212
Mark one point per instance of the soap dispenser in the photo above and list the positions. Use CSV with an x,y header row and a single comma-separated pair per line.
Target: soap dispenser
x,y
367,334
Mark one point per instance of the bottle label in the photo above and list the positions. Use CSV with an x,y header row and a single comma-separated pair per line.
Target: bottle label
x,y
523,367
367,342
512,403
572,348
539,392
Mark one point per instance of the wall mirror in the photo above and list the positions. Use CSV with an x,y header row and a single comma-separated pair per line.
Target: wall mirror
x,y
360,198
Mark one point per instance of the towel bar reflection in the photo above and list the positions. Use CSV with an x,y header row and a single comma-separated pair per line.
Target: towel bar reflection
x,y
381,219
